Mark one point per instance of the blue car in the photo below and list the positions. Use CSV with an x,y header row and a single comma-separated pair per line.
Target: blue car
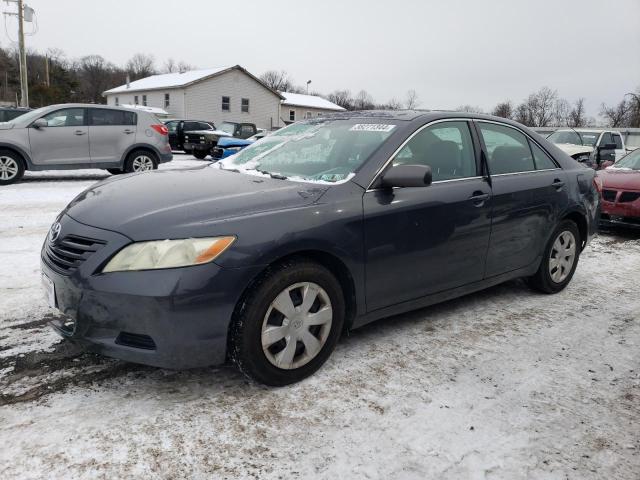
x,y
228,146
267,257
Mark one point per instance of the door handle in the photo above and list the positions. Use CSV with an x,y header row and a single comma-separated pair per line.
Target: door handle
x,y
80,132
129,132
557,184
478,198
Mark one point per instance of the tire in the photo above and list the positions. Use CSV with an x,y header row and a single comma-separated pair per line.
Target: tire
x,y
140,161
297,280
114,171
11,167
552,277
199,154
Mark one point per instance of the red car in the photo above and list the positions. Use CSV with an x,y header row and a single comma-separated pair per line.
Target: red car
x,y
620,190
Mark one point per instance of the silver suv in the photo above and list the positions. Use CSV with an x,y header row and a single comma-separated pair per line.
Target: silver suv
x,y
74,136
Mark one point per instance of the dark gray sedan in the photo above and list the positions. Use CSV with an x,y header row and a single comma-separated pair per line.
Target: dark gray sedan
x,y
268,256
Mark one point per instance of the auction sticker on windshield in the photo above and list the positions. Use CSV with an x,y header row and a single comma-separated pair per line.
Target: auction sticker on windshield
x,y
372,127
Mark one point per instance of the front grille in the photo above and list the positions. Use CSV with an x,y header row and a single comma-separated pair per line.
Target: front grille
x,y
66,255
194,138
136,340
629,196
609,195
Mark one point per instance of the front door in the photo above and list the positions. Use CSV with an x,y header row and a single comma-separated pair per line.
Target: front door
x,y
65,139
529,192
111,133
423,240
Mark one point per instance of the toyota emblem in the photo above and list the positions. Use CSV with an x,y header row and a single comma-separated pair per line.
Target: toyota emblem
x,y
54,233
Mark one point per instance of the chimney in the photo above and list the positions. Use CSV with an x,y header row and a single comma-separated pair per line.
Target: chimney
x,y
128,80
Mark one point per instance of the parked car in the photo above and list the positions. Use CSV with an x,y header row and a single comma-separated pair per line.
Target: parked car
x,y
620,188
75,136
266,257
228,146
178,128
591,147
9,113
203,142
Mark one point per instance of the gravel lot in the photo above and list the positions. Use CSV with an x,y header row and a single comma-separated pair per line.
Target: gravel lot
x,y
504,383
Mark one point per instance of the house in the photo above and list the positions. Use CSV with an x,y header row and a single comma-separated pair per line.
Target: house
x,y
215,94
296,106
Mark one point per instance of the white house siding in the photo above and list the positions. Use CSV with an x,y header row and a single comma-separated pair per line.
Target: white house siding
x,y
155,98
204,100
302,111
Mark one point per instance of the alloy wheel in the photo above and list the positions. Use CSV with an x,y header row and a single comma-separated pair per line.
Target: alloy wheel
x,y
8,168
562,257
142,163
296,325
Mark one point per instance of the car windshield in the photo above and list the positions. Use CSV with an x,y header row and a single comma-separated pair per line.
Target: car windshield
x,y
629,162
564,136
323,151
228,127
29,116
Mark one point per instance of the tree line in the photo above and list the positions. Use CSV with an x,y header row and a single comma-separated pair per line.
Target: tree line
x,y
55,78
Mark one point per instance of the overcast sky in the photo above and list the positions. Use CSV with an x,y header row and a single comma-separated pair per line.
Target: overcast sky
x,y
452,52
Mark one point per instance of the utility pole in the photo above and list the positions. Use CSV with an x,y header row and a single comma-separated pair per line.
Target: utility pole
x,y
24,86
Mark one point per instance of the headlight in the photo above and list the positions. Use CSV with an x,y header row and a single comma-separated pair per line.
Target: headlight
x,y
168,254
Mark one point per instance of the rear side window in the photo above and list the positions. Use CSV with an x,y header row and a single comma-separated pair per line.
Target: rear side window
x,y
204,126
68,117
617,140
103,117
508,149
446,147
541,159
191,126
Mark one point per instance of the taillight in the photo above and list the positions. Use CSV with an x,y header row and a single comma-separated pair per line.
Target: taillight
x,y
597,182
161,129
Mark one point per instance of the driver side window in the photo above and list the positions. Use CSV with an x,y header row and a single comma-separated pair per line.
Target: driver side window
x,y
446,147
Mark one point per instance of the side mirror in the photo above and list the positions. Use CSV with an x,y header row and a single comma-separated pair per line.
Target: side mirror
x,y
407,176
40,123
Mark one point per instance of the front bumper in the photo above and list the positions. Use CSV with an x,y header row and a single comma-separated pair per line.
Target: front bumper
x,y
621,214
172,318
200,147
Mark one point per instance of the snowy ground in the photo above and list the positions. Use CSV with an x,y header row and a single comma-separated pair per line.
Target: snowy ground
x,y
501,384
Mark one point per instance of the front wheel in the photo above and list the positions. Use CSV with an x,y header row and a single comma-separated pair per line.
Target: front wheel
x,y
288,323
560,259
140,161
200,154
11,167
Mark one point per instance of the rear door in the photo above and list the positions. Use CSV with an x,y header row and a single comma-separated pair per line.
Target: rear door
x,y
423,240
111,133
64,141
529,192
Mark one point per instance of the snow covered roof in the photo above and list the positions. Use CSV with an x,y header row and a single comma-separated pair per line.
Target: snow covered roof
x,y
168,80
310,101
154,110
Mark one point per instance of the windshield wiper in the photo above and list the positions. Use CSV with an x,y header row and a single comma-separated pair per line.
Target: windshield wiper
x,y
277,176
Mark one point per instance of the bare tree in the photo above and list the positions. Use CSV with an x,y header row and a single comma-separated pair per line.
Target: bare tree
x,y
342,98
503,109
170,66
577,116
363,101
615,116
561,112
279,81
469,109
96,75
140,65
539,109
185,67
412,101
393,104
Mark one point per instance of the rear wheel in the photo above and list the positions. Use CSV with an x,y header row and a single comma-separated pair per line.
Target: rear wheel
x,y
288,324
560,259
199,154
140,161
11,167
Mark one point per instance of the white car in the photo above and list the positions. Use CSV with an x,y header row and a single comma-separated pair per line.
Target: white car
x,y
580,144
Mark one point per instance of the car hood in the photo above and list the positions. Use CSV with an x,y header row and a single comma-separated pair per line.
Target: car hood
x,y
620,179
571,149
184,203
217,133
234,142
6,126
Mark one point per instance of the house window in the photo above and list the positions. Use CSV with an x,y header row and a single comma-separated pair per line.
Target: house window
x,y
117,101
144,100
244,107
226,104
135,100
292,115
319,114
167,100
307,115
